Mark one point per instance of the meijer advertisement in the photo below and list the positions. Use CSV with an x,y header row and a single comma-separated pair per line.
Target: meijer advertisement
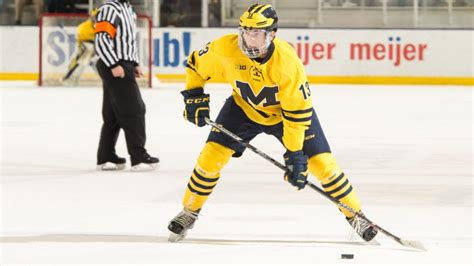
x,y
329,55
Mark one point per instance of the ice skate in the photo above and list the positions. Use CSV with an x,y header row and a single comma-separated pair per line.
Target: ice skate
x,y
180,225
71,79
145,163
112,164
362,228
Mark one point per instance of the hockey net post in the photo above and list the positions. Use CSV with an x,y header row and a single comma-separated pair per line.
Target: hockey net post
x,y
57,46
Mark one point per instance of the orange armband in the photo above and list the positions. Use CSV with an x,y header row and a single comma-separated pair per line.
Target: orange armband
x,y
105,26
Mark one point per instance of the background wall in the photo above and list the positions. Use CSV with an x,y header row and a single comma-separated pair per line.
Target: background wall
x,y
330,56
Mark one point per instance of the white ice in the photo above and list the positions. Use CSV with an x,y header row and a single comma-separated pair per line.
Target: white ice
x,y
406,149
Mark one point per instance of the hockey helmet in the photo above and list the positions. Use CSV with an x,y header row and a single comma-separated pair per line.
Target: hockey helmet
x,y
257,21
93,14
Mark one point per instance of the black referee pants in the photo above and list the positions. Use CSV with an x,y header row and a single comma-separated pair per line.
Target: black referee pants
x,y
122,108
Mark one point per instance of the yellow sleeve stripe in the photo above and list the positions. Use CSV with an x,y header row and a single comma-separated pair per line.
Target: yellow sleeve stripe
x,y
309,110
298,116
299,120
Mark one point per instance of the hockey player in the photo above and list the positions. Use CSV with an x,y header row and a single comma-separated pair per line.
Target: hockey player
x,y
270,95
85,54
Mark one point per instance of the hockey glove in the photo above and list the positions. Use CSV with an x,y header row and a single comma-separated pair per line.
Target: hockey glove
x,y
197,106
297,164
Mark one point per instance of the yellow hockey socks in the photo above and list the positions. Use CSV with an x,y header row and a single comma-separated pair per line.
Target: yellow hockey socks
x,y
204,178
333,180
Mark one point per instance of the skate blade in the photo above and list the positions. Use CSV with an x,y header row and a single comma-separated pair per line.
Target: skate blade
x,y
373,242
68,82
413,244
175,237
108,166
144,167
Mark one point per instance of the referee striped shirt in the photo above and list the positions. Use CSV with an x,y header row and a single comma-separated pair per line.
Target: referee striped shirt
x,y
116,33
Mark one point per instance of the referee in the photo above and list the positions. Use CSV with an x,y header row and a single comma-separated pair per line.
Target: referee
x,y
122,107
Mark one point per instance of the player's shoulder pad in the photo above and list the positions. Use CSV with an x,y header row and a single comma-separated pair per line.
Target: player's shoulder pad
x,y
226,45
287,60
88,23
286,51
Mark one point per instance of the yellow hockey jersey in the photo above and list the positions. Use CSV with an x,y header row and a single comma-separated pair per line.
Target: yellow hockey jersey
x,y
85,31
273,91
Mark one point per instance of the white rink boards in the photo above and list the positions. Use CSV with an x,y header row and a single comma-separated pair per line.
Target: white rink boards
x,y
407,151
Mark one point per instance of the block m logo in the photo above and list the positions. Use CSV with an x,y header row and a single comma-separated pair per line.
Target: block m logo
x,y
267,95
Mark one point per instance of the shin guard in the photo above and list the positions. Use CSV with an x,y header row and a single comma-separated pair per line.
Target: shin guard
x,y
205,175
333,181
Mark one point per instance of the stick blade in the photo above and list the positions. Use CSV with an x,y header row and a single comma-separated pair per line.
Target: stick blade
x,y
413,244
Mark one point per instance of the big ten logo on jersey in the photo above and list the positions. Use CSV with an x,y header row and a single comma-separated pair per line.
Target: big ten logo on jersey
x,y
171,52
240,67
256,74
267,95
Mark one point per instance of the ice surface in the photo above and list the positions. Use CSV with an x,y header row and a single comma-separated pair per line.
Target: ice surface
x,y
406,149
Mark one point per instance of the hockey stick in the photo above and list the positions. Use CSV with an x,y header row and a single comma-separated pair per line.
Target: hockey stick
x,y
83,57
406,243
